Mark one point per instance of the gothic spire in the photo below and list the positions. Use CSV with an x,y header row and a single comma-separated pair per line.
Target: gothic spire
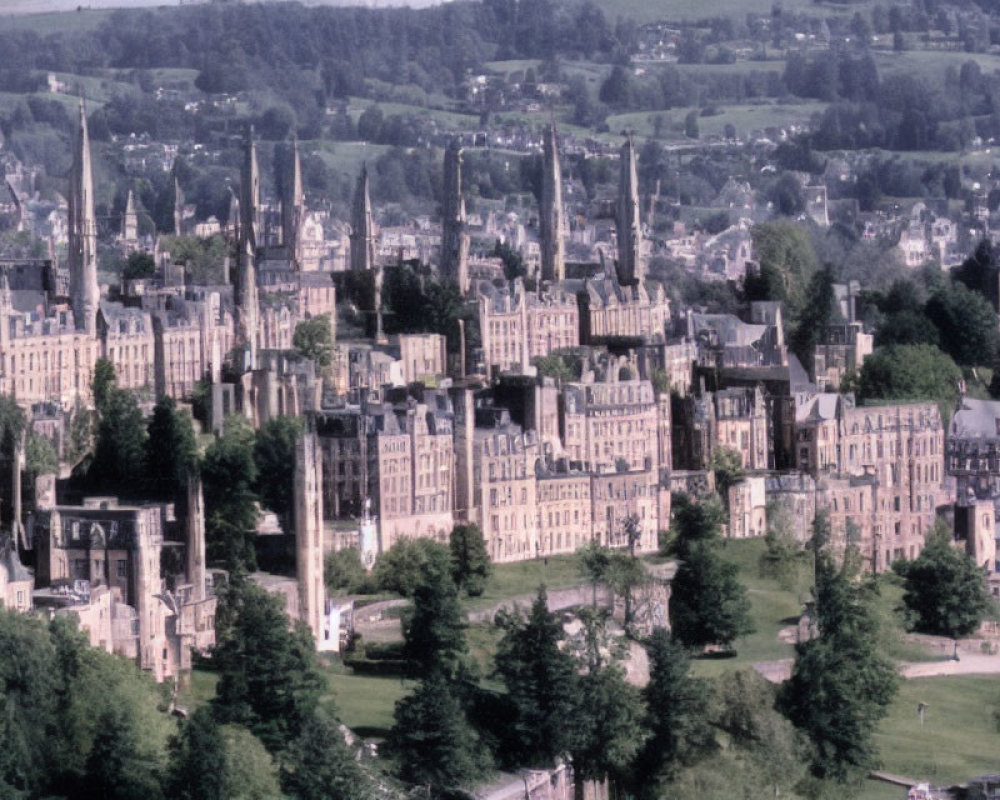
x,y
362,225
551,223
84,291
631,268
454,239
293,207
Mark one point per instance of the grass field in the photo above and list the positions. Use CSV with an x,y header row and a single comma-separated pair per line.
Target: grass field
x,y
959,739
524,578
364,703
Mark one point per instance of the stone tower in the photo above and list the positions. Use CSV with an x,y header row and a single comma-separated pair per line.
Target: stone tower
x,y
550,218
454,239
195,537
130,221
83,289
178,207
293,207
309,534
631,269
246,278
362,225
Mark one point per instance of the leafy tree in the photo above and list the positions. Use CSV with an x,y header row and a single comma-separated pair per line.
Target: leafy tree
x,y
319,766
171,451
103,384
782,553
691,124
229,474
274,456
408,563
910,372
434,629
980,271
344,572
708,604
249,771
313,339
119,464
40,455
116,770
945,591
139,265
541,682
432,741
676,715
787,263
269,681
841,684
197,759
727,464
80,436
606,730
694,522
470,562
817,312
967,324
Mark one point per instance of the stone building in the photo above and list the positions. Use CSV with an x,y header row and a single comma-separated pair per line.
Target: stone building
x,y
609,309
517,326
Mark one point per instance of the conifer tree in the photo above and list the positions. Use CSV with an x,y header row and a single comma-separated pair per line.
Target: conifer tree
x,y
541,682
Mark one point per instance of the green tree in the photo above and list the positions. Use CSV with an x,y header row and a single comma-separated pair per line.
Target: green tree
x,y
269,680
274,456
197,759
967,324
606,730
139,265
691,125
818,310
343,571
250,772
313,339
727,464
434,629
115,769
694,522
104,382
541,683
787,262
229,474
319,767
782,553
910,372
432,741
119,464
470,562
841,684
676,715
708,604
945,590
171,452
405,565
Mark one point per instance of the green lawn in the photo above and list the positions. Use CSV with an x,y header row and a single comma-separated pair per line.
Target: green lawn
x,y
959,739
524,578
364,703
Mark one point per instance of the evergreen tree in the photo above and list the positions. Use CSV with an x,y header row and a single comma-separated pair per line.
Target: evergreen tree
x,y
171,452
945,590
676,715
229,473
432,741
434,630
119,464
197,759
268,677
115,769
470,563
104,382
708,604
274,456
319,767
410,563
606,730
841,685
541,682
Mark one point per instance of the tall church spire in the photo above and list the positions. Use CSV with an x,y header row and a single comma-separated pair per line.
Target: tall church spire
x,y
130,221
246,279
293,208
178,206
454,239
551,222
362,226
83,289
631,268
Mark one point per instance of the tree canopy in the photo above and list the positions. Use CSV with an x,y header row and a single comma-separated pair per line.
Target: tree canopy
x,y
945,592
